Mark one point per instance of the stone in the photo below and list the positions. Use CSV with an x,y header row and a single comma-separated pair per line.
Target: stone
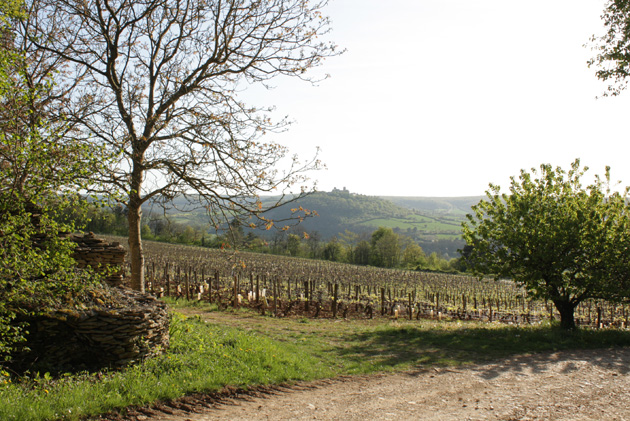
x,y
68,340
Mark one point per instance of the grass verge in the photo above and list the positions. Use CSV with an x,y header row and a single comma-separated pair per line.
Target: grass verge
x,y
367,346
202,358
211,349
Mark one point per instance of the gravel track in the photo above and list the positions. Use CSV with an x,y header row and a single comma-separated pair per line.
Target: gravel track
x,y
567,385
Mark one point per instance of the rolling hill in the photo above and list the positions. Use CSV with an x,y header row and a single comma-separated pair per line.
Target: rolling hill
x,y
433,222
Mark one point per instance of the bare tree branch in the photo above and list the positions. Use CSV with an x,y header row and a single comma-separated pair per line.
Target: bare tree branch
x,y
155,82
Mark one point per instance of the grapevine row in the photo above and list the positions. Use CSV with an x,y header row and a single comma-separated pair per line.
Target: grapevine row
x,y
283,286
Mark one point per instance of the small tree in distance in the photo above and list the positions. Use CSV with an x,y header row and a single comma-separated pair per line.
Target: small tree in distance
x,y
560,241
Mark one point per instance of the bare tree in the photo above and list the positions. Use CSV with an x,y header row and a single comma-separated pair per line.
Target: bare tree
x,y
156,83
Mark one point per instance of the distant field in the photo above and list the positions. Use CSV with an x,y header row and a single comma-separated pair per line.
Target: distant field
x,y
447,227
455,206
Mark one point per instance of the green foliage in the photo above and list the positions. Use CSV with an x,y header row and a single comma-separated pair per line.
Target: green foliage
x,y
39,177
613,52
105,219
385,248
333,251
561,241
362,253
293,245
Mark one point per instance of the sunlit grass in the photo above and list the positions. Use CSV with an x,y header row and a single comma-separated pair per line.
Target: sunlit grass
x,y
366,346
202,358
239,348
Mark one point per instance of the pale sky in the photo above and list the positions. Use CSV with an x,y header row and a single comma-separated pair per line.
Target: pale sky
x,y
442,97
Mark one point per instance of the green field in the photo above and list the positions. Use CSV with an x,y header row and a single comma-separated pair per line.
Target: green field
x,y
448,227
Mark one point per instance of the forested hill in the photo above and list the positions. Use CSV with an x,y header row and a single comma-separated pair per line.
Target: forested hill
x,y
340,210
435,223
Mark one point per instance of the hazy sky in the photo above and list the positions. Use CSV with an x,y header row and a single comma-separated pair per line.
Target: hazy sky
x,y
442,97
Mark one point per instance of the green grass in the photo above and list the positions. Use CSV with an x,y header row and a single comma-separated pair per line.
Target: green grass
x,y
177,303
424,224
212,349
366,346
202,358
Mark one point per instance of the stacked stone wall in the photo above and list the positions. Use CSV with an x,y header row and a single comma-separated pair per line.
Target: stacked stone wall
x,y
70,340
130,327
101,256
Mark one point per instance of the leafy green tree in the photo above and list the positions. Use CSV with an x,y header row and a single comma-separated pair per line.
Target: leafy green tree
x,y
333,251
433,261
257,244
39,177
385,248
559,240
188,235
613,48
146,231
413,255
349,240
362,253
293,244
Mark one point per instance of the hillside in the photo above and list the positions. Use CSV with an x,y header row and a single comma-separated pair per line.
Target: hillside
x,y
435,223
340,210
456,206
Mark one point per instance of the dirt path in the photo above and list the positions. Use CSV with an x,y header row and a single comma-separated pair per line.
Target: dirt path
x,y
569,385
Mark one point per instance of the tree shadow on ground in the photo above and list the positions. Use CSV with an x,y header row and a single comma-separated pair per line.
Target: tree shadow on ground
x,y
613,359
422,348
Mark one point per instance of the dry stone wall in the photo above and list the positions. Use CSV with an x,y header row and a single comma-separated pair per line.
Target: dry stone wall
x,y
130,327
70,340
100,255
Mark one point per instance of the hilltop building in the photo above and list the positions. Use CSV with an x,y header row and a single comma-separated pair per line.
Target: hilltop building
x,y
343,192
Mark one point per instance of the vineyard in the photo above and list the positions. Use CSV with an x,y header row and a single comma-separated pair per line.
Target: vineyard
x,y
285,286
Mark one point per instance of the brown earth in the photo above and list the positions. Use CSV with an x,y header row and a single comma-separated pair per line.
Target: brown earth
x,y
568,385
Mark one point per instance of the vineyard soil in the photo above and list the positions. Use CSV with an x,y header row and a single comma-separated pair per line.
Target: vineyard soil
x,y
567,385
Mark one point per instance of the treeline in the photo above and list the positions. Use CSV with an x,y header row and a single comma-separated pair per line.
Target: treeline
x,y
382,248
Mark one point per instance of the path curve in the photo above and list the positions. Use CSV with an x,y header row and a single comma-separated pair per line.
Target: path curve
x,y
567,385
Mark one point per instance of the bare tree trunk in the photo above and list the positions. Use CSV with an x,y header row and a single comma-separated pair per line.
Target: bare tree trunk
x,y
134,218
